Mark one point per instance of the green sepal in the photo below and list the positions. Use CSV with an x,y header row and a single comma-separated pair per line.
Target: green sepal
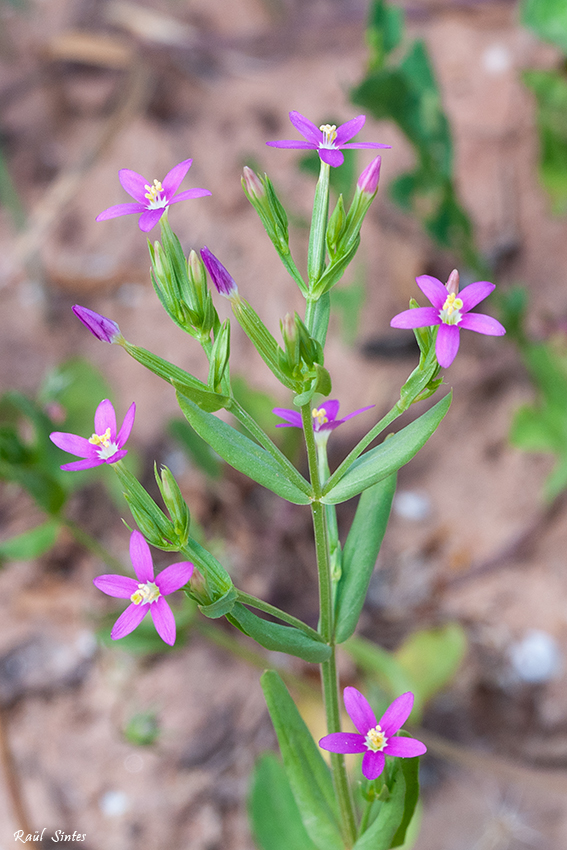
x,y
278,638
221,606
308,775
174,502
219,357
335,227
384,829
360,553
245,455
150,519
264,342
323,384
217,580
274,816
335,269
393,453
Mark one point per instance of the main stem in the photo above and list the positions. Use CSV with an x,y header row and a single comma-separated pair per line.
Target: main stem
x,y
329,678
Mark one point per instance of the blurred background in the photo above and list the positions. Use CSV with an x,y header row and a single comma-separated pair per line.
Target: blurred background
x,y
134,746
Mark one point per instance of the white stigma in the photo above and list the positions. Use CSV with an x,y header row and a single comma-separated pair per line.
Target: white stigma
x,y
146,594
375,739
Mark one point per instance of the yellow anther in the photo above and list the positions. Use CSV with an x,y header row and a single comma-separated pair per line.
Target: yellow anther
x,y
329,132
153,191
320,415
375,739
101,439
146,593
452,303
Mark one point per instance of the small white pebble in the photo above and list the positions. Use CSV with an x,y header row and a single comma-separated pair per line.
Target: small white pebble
x,y
412,505
536,658
114,803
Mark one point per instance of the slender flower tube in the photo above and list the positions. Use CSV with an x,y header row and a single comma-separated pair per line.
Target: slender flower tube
x,y
152,201
328,140
146,593
451,312
104,329
222,279
375,739
105,445
324,418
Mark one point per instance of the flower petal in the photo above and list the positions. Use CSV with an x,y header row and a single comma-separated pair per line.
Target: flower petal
x,y
172,180
396,714
331,408
120,586
447,344
306,127
73,444
343,742
128,620
126,427
104,418
78,465
134,184
364,145
359,710
187,195
373,764
349,129
164,621
419,317
174,577
116,456
405,748
141,557
356,412
433,289
292,144
332,156
149,219
482,324
474,293
292,417
120,209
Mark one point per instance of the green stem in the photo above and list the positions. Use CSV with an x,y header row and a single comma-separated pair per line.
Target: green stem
x,y
91,544
260,605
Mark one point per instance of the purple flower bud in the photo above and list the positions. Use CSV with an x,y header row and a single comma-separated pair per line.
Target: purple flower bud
x,y
223,281
368,180
104,329
252,184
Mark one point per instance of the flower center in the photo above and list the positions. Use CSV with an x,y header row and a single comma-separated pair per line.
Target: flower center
x,y
451,311
329,135
154,196
375,739
146,594
319,417
107,446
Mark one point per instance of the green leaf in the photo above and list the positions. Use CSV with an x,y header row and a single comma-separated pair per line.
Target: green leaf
x,y
244,454
199,451
220,607
278,638
382,831
309,776
410,769
548,19
388,457
32,543
384,30
360,553
431,658
275,819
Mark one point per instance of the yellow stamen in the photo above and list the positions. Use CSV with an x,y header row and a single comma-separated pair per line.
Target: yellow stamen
x,y
329,132
375,739
320,415
146,593
452,303
153,191
101,439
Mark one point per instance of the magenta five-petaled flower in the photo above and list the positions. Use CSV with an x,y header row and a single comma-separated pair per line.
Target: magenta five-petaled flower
x,y
152,201
328,140
146,592
376,739
451,312
325,418
105,445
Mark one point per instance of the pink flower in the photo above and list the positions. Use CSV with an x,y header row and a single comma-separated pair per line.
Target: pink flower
x,y
105,445
451,312
147,593
324,417
327,140
375,740
152,201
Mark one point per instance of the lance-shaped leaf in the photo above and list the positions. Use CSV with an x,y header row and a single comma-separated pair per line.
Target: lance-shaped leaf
x,y
278,638
388,457
246,455
309,776
383,831
360,553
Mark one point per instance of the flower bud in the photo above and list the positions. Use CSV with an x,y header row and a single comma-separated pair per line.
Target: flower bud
x,y
368,180
174,502
220,276
453,282
252,184
104,329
